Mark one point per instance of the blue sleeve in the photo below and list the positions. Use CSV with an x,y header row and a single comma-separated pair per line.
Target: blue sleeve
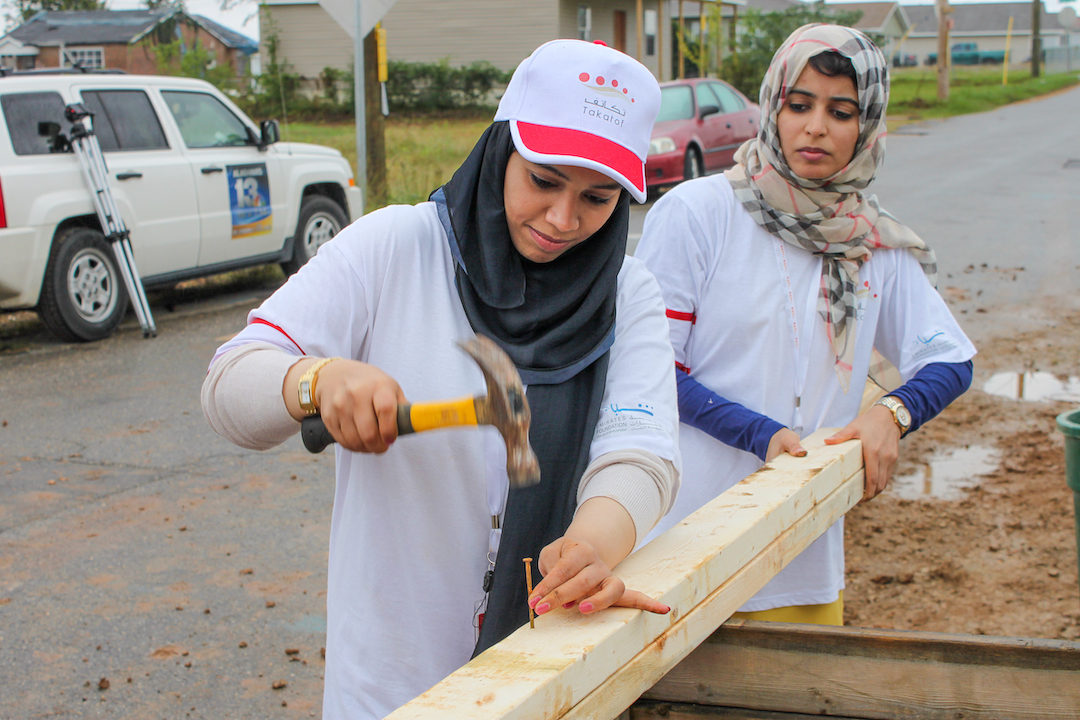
x,y
930,391
729,422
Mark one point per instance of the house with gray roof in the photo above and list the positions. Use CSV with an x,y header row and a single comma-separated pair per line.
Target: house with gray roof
x,y
885,22
986,25
118,40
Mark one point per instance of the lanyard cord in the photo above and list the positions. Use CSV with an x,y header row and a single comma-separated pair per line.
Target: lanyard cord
x,y
801,367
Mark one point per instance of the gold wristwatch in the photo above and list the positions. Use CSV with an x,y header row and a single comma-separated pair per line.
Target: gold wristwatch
x,y
305,389
900,413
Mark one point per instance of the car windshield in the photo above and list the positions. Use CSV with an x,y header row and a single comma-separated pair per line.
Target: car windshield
x,y
676,103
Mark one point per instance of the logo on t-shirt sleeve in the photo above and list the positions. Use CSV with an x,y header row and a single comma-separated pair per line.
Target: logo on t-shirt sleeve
x,y
934,342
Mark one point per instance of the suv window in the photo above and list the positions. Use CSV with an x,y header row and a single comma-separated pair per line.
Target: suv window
x,y
24,111
124,120
205,121
729,101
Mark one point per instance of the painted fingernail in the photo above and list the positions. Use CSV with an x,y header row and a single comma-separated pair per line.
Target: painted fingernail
x,y
567,606
586,607
533,601
542,608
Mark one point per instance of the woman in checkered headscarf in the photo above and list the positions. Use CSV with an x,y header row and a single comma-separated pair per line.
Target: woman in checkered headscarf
x,y
819,206
781,277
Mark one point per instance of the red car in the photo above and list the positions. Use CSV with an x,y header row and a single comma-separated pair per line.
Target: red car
x,y
702,122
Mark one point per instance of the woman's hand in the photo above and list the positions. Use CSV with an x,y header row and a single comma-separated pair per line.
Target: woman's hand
x,y
880,444
358,403
574,574
784,441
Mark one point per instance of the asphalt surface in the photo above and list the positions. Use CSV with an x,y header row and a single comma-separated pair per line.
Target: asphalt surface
x,y
139,549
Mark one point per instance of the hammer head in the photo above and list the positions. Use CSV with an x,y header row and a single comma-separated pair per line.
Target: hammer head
x,y
505,407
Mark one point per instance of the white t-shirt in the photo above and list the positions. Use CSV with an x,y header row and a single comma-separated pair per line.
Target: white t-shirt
x,y
410,529
716,264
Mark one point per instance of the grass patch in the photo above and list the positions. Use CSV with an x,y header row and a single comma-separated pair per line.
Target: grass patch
x,y
913,95
421,153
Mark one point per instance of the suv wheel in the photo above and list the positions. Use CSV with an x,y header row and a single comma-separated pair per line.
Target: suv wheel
x,y
320,219
83,297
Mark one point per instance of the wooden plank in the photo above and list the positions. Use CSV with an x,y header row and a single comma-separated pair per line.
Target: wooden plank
x,y
654,710
870,673
704,568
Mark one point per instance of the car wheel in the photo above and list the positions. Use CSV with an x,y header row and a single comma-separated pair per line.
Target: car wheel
x,y
83,297
320,219
692,166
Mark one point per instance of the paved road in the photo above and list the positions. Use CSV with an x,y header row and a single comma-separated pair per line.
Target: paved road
x,y
136,544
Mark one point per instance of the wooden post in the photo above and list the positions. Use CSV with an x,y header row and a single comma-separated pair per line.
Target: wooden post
x,y
681,39
703,34
1036,37
376,125
640,32
575,666
944,59
1008,46
660,26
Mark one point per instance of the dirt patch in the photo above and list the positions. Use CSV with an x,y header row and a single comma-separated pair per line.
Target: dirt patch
x,y
1001,559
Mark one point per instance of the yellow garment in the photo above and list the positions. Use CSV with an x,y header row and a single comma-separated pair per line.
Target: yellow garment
x,y
827,614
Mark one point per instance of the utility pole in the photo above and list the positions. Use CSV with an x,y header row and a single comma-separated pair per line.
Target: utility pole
x,y
1036,40
376,125
943,57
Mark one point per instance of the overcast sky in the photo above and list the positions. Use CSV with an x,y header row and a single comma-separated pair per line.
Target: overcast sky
x,y
244,18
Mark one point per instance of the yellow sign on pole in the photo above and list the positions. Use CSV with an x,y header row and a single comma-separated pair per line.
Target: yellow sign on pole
x,y
380,39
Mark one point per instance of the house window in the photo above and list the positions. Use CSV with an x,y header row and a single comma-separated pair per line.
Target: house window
x,y
650,32
93,58
584,23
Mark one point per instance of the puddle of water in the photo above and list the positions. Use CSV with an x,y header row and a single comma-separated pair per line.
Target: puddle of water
x,y
947,475
1033,386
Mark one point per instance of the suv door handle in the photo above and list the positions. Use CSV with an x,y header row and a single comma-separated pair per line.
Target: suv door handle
x,y
128,175
210,170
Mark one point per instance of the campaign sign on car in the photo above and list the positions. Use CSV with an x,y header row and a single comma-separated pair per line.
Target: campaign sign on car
x,y
249,199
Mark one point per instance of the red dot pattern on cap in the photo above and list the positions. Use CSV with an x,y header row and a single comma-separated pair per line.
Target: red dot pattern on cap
x,y
600,82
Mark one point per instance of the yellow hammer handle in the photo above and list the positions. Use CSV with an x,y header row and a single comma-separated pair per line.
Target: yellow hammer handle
x,y
432,415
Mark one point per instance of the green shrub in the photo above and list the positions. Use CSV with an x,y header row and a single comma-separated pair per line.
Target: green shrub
x,y
428,87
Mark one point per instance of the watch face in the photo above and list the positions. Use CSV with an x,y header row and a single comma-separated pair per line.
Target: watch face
x,y
903,416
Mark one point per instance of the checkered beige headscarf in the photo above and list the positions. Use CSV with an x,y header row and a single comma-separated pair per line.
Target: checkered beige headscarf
x,y
828,217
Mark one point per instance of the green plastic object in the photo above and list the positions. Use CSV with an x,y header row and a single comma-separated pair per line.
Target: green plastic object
x,y
1069,425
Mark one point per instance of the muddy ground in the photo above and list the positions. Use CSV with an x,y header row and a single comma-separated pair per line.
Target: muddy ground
x,y
1000,558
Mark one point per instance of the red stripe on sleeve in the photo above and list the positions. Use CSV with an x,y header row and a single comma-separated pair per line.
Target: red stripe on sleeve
x,y
270,324
688,317
680,366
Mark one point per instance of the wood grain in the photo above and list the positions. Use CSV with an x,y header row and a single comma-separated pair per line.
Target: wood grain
x,y
704,568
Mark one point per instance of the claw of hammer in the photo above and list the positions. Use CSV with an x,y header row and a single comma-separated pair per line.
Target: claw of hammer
x,y
505,407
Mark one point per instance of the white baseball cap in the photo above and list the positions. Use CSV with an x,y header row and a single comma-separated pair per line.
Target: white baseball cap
x,y
583,104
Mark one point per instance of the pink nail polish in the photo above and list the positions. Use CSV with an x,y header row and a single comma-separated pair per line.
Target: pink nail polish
x,y
533,601
567,606
542,608
586,607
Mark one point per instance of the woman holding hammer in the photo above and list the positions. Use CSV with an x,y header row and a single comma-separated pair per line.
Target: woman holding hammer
x,y
524,245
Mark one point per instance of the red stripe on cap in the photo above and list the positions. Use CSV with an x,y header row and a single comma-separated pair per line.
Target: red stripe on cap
x,y
688,317
576,143
259,321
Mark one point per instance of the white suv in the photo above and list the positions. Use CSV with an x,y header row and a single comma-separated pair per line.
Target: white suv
x,y
200,186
